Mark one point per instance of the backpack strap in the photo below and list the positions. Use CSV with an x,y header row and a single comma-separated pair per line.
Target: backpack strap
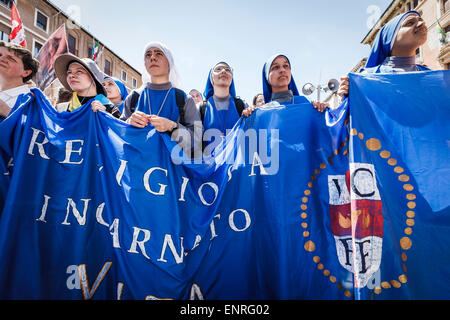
x,y
180,98
203,109
240,105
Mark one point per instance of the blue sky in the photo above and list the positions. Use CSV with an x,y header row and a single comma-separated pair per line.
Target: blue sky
x,y
321,38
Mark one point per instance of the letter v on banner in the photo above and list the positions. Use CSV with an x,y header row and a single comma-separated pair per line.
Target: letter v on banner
x,y
357,221
17,31
88,294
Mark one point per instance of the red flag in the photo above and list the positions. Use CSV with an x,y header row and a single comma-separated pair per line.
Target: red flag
x,y
17,32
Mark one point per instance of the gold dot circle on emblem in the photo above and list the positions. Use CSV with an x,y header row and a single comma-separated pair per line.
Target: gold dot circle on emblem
x,y
403,178
320,266
304,207
340,286
398,170
316,259
404,257
410,222
330,160
403,278
342,144
304,225
404,268
317,171
392,162
305,234
313,177
333,279
304,215
408,187
310,184
323,166
373,144
345,152
411,196
305,199
408,231
411,204
310,246
405,243
385,285
410,214
361,135
307,192
377,290
353,132
347,293
326,273
336,152
396,284
385,154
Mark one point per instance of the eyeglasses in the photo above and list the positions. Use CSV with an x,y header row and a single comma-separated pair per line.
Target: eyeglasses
x,y
219,69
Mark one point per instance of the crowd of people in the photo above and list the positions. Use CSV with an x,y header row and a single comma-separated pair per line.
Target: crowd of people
x,y
189,117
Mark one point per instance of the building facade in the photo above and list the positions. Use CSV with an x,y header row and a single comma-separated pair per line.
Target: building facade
x,y
41,18
435,53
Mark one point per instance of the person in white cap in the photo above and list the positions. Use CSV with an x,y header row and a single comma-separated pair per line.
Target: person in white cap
x,y
84,79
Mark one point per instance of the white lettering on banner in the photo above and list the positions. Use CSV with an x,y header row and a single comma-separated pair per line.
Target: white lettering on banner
x,y
183,188
120,172
168,241
140,243
81,219
115,233
44,209
147,183
231,220
88,294
69,151
213,227
257,163
40,145
216,192
98,215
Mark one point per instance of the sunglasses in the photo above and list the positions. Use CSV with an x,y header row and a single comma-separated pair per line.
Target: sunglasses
x,y
219,69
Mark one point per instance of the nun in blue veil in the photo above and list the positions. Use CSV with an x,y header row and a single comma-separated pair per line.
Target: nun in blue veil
x,y
222,108
388,53
289,96
393,51
116,97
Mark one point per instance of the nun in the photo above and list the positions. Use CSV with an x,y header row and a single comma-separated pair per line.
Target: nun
x,y
394,48
116,90
161,103
221,109
279,85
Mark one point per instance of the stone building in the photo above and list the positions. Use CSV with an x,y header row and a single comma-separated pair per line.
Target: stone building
x,y
41,18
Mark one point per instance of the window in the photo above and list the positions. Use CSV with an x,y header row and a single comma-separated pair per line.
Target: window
x,y
4,36
36,47
72,42
41,21
124,76
134,83
107,67
408,6
415,3
6,3
89,52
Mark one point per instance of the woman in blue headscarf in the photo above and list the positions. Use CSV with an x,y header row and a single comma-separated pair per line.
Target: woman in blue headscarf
x,y
394,48
222,108
279,84
116,90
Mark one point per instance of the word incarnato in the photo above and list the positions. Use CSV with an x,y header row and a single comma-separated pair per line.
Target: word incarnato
x,y
79,211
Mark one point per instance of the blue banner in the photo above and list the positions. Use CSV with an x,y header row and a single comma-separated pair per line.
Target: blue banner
x,y
92,208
